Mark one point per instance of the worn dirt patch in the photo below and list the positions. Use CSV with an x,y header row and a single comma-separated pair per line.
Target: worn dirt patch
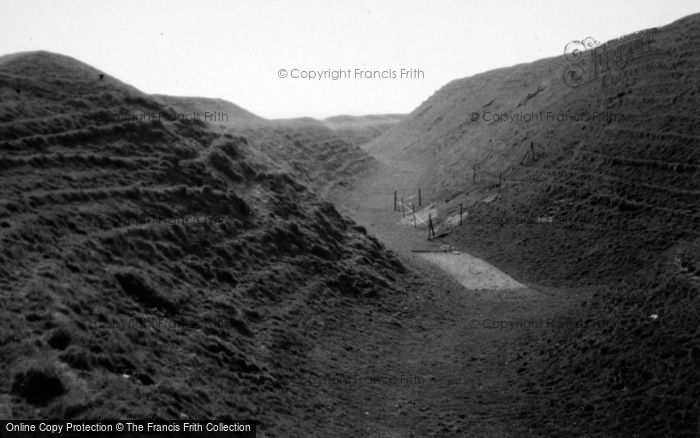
x,y
472,272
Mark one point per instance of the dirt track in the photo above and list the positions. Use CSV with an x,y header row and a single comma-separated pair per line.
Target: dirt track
x,y
446,352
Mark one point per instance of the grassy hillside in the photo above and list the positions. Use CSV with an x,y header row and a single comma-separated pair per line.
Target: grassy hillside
x,y
628,167
605,192
158,268
316,154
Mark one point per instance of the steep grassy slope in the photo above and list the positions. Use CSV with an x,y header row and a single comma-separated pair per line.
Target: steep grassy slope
x,y
157,268
615,183
630,166
315,154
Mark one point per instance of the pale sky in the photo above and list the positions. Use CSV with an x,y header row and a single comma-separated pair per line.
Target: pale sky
x,y
234,49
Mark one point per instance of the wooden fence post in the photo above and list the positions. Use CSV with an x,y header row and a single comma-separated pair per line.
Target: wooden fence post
x,y
460,213
524,157
419,198
394,200
430,222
